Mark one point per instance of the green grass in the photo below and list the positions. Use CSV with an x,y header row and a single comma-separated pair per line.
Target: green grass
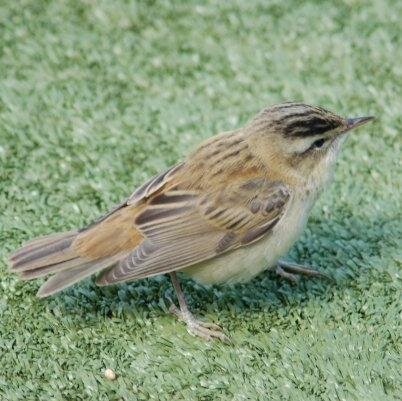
x,y
96,96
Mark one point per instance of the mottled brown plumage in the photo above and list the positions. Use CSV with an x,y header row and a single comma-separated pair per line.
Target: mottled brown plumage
x,y
236,203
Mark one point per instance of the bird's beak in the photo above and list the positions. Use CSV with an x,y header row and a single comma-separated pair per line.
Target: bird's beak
x,y
357,122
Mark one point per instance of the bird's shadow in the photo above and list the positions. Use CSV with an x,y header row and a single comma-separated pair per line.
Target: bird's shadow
x,y
330,248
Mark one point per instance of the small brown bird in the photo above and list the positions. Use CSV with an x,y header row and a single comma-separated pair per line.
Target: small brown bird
x,y
229,211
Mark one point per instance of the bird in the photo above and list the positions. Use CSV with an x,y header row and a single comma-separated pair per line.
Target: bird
x,y
230,210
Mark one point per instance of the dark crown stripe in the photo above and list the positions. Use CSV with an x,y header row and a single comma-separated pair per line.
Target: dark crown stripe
x,y
296,116
309,127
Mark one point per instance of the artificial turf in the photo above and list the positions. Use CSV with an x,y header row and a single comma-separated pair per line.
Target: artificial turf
x,y
96,96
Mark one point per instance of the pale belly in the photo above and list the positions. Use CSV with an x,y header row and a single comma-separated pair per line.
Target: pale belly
x,y
244,263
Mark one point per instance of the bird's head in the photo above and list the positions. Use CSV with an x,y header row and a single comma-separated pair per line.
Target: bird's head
x,y
300,138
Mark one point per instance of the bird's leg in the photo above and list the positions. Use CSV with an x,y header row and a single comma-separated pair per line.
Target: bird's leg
x,y
293,271
208,331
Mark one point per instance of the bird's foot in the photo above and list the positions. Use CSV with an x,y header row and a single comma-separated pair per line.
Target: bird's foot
x,y
207,331
293,271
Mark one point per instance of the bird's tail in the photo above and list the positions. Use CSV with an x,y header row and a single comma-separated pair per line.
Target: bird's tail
x,y
55,254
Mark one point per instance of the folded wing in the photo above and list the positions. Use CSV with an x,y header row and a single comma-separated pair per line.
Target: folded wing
x,y
182,227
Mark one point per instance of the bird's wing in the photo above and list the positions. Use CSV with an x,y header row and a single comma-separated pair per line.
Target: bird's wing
x,y
181,227
114,232
155,184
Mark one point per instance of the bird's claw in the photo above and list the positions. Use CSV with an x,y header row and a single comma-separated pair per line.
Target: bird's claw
x,y
293,271
206,330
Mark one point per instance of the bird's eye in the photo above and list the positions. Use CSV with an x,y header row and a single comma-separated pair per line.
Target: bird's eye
x,y
318,143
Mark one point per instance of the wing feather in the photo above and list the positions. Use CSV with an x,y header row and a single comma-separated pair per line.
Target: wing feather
x,y
183,228
154,184
165,259
115,231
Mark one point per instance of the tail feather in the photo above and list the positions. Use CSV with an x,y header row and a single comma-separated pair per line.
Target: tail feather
x,y
43,251
54,254
71,276
54,268
47,239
